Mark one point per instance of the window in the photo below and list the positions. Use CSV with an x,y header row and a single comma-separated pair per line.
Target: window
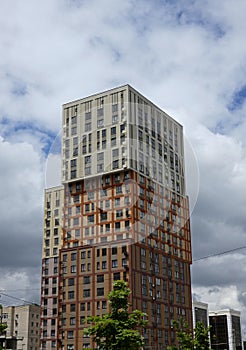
x,y
74,130
103,193
113,141
116,276
91,195
104,144
87,115
82,320
72,321
71,281
114,250
87,293
76,198
100,156
100,278
103,216
100,168
88,126
73,268
74,119
73,256
76,221
75,152
73,162
119,213
117,178
107,180
87,159
113,131
100,112
104,265
100,292
71,295
122,140
124,262
86,279
100,123
117,226
117,202
115,119
77,233
115,152
70,334
115,164
104,133
90,219
119,189
87,170
114,263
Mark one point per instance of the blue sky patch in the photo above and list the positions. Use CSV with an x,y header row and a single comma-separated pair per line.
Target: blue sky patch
x,y
237,99
50,141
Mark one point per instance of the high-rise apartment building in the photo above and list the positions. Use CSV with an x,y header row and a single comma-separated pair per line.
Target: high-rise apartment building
x,y
225,330
125,215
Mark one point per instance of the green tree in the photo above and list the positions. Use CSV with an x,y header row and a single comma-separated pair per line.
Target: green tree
x,y
3,326
118,329
189,340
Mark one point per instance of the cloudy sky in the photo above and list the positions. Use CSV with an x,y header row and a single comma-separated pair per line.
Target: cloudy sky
x,y
188,57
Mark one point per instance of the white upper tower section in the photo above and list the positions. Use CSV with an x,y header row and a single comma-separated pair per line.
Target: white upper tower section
x,y
119,129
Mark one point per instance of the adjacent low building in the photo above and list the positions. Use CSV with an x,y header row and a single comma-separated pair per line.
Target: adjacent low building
x,y
23,327
200,313
225,330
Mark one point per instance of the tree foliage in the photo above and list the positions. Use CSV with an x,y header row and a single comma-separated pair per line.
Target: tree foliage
x,y
3,326
189,340
118,329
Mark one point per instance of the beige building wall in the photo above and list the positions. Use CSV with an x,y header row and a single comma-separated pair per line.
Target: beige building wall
x,y
23,324
52,243
53,217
